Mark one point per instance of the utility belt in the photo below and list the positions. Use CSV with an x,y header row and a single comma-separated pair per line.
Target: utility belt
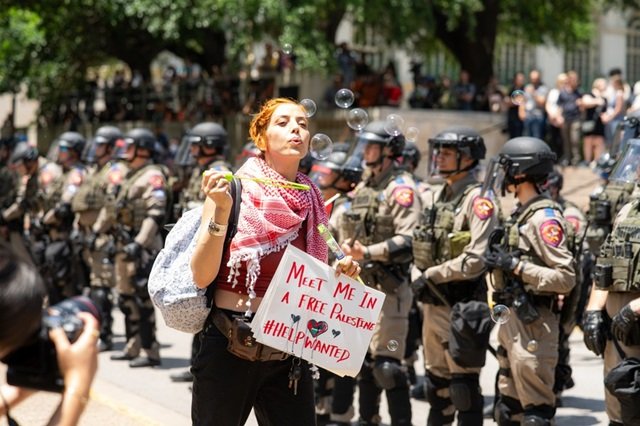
x,y
235,327
537,300
459,291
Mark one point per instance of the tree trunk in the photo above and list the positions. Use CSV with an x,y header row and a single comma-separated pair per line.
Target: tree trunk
x,y
474,52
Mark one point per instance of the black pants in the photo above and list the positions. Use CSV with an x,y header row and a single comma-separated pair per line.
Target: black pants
x,y
226,388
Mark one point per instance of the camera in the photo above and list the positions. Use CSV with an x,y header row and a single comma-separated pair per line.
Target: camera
x,y
35,364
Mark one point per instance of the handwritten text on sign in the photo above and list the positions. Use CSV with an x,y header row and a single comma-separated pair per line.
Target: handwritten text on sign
x,y
310,313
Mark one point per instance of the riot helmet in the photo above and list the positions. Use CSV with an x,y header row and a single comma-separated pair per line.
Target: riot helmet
x,y
375,133
72,141
521,159
209,135
411,155
140,138
339,165
464,140
23,152
105,136
627,168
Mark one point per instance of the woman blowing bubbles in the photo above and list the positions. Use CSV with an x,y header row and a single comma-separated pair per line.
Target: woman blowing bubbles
x,y
226,387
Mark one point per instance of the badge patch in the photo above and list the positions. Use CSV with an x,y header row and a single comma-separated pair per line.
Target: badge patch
x,y
575,222
115,176
403,196
45,177
482,207
551,232
156,182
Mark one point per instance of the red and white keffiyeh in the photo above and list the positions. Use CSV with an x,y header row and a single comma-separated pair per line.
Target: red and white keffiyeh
x,y
270,218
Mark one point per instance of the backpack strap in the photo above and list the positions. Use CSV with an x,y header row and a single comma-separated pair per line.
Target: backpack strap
x,y
232,227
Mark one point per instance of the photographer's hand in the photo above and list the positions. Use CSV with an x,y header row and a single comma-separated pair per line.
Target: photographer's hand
x,y
78,364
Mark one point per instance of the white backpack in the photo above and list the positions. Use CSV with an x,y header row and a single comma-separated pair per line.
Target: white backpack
x,y
183,305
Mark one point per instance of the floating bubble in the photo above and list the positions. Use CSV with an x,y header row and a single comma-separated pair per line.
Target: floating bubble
x,y
344,98
518,97
394,124
309,106
500,314
393,345
412,134
532,345
321,146
357,119
287,49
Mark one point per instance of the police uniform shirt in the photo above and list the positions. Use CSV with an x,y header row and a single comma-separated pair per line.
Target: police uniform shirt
x,y
398,200
150,187
545,233
114,180
475,213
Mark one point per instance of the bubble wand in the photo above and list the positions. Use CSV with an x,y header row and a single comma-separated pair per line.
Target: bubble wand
x,y
270,182
333,245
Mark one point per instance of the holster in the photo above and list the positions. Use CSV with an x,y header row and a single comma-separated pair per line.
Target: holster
x,y
241,341
386,278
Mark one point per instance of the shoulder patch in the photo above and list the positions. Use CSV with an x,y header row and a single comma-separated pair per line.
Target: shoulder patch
x,y
115,175
483,207
575,223
75,177
156,181
551,232
404,195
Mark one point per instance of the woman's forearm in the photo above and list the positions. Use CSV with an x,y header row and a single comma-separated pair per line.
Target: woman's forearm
x,y
205,263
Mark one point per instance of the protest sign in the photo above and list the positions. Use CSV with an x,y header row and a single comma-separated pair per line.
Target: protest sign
x,y
311,314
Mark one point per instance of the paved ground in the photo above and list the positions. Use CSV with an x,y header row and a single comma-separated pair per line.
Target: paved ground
x,y
122,396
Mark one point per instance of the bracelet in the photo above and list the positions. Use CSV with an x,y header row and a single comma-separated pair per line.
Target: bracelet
x,y
215,229
83,399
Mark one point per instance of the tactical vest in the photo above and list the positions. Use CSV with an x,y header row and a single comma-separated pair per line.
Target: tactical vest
x,y
92,194
363,221
603,208
132,212
512,236
435,240
617,265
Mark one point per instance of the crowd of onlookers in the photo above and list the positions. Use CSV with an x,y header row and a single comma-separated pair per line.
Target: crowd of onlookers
x,y
578,125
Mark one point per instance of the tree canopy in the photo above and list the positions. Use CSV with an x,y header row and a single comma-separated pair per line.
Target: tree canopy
x,y
50,44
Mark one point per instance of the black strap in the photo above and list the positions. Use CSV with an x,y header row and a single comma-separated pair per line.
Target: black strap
x,y
232,227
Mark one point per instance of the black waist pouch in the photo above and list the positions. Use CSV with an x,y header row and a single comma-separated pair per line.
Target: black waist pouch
x,y
469,333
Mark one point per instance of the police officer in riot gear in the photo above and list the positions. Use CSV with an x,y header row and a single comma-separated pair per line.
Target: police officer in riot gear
x,y
532,266
207,142
448,249
97,250
610,322
336,176
376,230
136,217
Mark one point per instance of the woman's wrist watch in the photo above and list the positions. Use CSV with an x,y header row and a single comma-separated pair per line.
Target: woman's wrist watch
x,y
215,229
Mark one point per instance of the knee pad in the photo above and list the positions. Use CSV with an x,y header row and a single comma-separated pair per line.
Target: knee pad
x,y
464,390
506,408
388,373
433,384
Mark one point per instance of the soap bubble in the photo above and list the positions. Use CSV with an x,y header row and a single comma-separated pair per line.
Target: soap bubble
x,y
394,124
321,146
393,345
344,98
412,134
287,49
309,106
518,97
532,345
357,119
500,314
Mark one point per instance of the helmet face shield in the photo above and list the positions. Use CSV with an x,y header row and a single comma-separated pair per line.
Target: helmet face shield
x,y
494,181
627,169
183,156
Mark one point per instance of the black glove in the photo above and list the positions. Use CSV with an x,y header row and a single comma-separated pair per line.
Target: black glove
x,y
132,251
419,288
90,241
63,212
624,326
595,331
498,258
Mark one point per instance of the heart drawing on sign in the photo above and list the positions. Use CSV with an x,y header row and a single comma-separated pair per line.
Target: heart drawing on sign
x,y
295,318
316,328
335,333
